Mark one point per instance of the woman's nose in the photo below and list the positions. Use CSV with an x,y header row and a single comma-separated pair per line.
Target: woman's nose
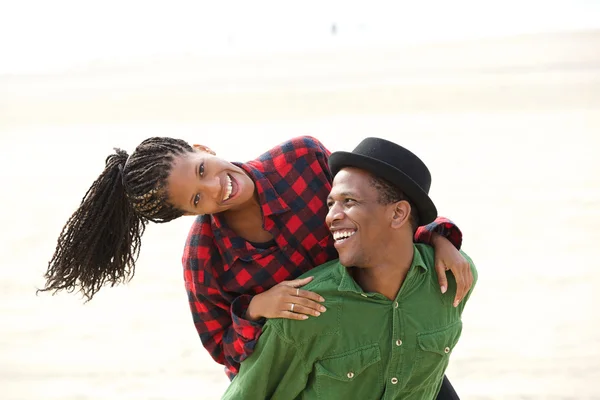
x,y
212,186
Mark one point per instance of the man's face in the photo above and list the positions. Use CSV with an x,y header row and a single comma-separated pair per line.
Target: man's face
x,y
360,225
201,183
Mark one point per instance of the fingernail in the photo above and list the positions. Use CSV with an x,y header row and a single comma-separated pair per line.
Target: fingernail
x,y
323,309
456,303
304,316
444,288
321,299
317,313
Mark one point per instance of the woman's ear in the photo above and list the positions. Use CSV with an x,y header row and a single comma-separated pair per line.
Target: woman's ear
x,y
206,149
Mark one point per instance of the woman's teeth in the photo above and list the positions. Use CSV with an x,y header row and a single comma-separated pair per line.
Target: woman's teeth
x,y
229,189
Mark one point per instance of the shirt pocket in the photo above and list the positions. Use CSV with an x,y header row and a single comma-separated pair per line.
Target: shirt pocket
x,y
354,375
433,353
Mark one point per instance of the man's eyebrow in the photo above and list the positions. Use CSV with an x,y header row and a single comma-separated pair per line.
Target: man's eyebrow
x,y
343,194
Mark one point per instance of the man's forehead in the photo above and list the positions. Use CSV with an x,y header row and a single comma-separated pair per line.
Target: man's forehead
x,y
351,180
352,176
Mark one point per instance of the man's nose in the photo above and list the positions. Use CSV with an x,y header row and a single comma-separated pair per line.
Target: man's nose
x,y
335,213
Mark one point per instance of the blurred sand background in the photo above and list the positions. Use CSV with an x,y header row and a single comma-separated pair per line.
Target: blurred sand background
x,y
509,127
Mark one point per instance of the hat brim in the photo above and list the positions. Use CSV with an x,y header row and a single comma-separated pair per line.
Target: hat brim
x,y
425,208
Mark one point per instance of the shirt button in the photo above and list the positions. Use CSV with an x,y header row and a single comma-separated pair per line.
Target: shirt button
x,y
350,375
395,304
394,380
398,342
447,350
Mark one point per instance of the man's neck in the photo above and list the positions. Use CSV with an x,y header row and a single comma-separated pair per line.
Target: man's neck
x,y
386,277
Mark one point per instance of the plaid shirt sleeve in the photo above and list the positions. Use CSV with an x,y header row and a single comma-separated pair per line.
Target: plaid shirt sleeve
x,y
228,337
442,226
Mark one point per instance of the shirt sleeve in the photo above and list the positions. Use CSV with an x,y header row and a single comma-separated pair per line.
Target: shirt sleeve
x,y
442,226
276,370
475,278
228,337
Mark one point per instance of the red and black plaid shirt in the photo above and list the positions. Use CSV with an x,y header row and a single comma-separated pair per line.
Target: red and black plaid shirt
x,y
223,271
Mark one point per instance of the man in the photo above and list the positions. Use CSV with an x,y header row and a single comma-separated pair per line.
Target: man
x,y
388,332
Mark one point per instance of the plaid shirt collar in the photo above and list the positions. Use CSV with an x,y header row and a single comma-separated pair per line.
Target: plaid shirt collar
x,y
230,244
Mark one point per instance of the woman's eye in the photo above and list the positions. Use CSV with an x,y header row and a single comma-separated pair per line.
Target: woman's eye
x,y
201,170
196,199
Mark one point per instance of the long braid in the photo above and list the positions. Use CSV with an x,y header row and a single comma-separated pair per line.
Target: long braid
x,y
101,241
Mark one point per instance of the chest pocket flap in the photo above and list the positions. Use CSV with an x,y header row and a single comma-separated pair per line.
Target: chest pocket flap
x,y
349,366
441,341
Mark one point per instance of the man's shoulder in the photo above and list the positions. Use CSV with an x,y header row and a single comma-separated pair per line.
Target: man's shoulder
x,y
324,274
472,265
427,254
326,279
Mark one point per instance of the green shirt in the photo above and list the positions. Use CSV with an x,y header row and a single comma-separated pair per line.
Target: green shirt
x,y
364,346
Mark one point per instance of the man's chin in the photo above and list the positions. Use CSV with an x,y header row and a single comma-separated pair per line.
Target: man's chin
x,y
346,260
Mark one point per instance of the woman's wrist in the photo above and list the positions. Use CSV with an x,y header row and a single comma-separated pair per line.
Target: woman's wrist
x,y
436,238
251,314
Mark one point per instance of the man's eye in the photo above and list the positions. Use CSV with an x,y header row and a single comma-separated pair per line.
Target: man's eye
x,y
201,170
196,199
348,201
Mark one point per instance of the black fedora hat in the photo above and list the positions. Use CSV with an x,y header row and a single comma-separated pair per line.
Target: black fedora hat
x,y
395,164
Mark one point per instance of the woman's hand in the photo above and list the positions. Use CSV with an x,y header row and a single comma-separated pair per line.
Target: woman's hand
x,y
286,300
447,257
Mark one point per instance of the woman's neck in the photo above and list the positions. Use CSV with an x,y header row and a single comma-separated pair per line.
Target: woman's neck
x,y
247,221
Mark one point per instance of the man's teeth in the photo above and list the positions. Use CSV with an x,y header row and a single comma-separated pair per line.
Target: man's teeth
x,y
229,189
340,235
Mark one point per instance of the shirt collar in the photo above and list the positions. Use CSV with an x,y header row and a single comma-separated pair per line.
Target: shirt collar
x,y
348,284
271,201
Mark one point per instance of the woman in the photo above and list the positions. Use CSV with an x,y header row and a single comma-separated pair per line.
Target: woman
x,y
260,224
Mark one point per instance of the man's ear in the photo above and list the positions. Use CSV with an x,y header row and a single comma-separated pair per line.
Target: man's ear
x,y
200,147
401,214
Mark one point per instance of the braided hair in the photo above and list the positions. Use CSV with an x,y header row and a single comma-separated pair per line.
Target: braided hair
x,y
101,241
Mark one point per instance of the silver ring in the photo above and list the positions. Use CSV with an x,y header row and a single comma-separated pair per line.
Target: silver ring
x,y
298,292
292,307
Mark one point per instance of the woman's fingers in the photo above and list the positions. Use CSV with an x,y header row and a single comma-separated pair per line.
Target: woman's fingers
x,y
302,309
306,303
292,315
308,295
297,282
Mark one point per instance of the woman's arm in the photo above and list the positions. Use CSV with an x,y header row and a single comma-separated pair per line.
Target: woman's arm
x,y
221,324
446,239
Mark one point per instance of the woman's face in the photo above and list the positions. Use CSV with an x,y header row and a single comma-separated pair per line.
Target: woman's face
x,y
201,183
